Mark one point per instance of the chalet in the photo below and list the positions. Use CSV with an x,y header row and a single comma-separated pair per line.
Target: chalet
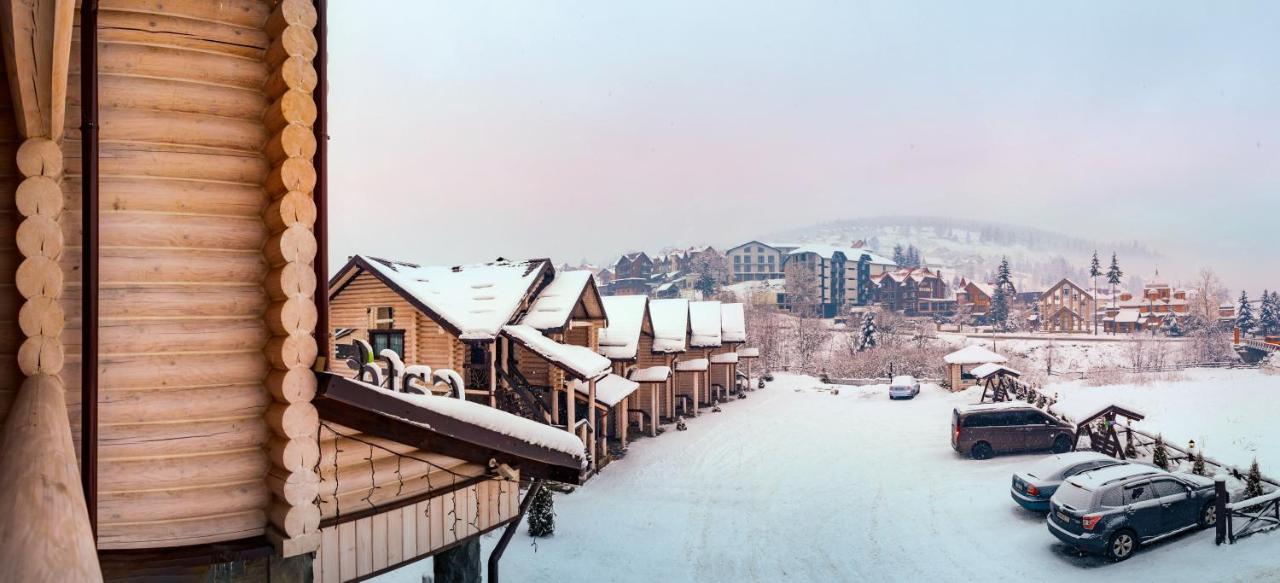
x,y
671,334
161,417
1067,307
973,299
914,291
724,360
637,265
628,342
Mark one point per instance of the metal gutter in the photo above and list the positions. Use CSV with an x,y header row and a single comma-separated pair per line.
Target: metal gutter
x,y
89,262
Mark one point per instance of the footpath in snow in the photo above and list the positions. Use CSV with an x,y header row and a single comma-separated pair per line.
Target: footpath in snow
x,y
798,484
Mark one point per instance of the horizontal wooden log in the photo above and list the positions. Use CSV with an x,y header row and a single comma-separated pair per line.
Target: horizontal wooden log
x,y
246,13
173,195
39,236
294,174
296,488
182,370
167,266
135,125
178,64
129,406
179,438
130,475
172,95
180,503
40,157
293,141
296,315
179,301
165,336
292,41
294,385
294,520
296,244
193,531
166,29
291,13
290,280
293,350
293,420
160,230
171,161
41,317
39,277
294,73
294,208
39,195
292,108
294,455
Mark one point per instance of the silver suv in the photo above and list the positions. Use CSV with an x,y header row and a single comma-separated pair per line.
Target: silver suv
x,y
1113,510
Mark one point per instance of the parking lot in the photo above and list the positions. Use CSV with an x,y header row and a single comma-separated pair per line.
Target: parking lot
x,y
800,484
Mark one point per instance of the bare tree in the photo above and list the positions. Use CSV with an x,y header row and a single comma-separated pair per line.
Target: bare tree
x,y
1209,295
802,289
764,331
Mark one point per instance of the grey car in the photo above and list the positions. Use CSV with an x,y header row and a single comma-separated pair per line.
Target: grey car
x,y
1114,510
1033,487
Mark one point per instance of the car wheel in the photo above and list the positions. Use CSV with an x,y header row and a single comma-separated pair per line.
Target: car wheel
x,y
1209,514
981,451
1062,444
1121,545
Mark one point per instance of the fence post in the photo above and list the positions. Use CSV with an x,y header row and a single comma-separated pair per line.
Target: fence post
x,y
1222,498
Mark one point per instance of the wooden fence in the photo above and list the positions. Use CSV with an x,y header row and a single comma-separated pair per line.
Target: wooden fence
x,y
1254,515
1084,374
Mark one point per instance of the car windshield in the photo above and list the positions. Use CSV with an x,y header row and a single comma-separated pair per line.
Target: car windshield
x,y
1074,496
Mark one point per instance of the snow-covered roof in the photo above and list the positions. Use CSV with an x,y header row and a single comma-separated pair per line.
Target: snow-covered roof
x,y
620,339
652,374
748,352
850,254
973,355
1093,479
1128,316
525,430
554,305
579,361
670,324
610,390
476,300
733,323
704,321
695,365
991,368
725,358
1076,409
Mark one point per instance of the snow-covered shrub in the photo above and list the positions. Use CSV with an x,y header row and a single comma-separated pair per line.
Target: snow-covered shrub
x,y
1160,456
542,514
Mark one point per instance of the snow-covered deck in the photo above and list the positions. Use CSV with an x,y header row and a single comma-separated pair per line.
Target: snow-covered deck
x,y
694,365
652,374
725,358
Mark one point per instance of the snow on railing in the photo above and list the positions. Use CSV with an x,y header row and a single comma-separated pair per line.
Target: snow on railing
x,y
1255,501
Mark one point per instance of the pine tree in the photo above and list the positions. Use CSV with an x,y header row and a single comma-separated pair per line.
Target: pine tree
x,y
1095,270
899,256
1114,275
999,309
1245,320
867,337
1253,482
1160,456
1174,328
1004,276
1269,315
542,513
1197,468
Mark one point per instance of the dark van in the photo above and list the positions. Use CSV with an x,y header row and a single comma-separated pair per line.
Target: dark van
x,y
982,431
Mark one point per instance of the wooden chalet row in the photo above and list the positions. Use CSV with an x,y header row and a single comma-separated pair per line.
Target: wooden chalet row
x,y
165,410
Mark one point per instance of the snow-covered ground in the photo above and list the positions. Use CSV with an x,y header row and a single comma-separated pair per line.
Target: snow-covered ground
x,y
797,483
1231,414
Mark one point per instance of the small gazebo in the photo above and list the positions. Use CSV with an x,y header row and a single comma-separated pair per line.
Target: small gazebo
x,y
960,364
998,381
1103,439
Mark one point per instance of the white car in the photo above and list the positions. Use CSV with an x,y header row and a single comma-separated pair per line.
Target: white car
x,y
904,387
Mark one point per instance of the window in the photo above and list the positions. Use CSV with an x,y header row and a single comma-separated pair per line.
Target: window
x,y
737,259
1112,498
1140,492
383,339
381,318
1167,488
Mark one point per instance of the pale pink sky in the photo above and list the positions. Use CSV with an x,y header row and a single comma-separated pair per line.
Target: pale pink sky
x,y
462,131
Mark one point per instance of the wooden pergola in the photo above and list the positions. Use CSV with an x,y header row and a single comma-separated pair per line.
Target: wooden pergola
x,y
998,382
1106,441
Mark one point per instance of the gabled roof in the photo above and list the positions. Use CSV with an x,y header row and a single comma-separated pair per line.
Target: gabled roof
x,y
578,361
1066,282
704,323
973,355
991,368
627,320
554,305
733,323
453,427
670,324
473,302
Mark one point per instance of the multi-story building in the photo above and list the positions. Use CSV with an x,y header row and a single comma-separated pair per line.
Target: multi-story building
x,y
833,277
914,291
1067,307
756,261
633,265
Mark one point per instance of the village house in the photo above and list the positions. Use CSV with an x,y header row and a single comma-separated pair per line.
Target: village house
x,y
1067,307
973,299
628,342
1152,310
671,334
723,378
179,325
914,291
636,265
693,378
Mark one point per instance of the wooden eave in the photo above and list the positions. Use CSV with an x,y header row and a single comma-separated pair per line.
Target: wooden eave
x,y
378,413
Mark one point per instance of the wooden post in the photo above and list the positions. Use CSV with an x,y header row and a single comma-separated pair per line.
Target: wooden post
x,y
624,421
593,420
697,380
571,409
653,409
493,374
1222,497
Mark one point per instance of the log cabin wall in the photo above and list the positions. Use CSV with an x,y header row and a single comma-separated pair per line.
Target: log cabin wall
x,y
206,283
10,300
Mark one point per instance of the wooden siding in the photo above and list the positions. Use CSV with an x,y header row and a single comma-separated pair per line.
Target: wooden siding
x,y
425,340
359,548
183,452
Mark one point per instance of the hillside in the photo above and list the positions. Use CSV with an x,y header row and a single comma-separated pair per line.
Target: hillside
x,y
973,248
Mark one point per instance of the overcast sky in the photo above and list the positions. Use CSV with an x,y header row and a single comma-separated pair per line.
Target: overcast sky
x,y
462,131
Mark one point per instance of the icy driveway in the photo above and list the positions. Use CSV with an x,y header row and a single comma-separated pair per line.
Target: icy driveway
x,y
806,486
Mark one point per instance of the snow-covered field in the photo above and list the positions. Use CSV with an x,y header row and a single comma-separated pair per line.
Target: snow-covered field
x,y
796,483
